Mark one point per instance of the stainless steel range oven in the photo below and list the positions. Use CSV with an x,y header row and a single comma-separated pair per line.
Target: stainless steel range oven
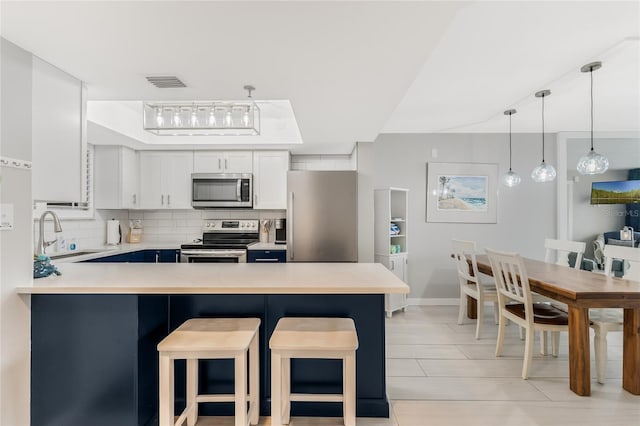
x,y
223,241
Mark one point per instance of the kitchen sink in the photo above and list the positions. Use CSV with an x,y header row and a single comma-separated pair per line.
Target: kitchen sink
x,y
64,255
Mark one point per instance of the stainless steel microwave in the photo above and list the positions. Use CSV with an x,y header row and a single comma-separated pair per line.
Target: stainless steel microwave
x,y
221,190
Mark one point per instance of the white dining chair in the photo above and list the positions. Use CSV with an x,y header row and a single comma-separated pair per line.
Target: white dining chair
x,y
605,320
464,253
557,251
516,304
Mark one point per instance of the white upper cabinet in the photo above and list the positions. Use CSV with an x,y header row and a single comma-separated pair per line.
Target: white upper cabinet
x,y
223,162
115,177
165,179
58,134
270,179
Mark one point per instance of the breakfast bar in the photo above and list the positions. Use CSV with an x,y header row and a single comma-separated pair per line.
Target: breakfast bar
x,y
95,329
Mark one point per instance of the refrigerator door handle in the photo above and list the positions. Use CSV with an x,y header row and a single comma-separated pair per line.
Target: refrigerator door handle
x,y
290,226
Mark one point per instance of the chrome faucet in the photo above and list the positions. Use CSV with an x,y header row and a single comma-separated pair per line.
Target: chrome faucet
x,y
57,227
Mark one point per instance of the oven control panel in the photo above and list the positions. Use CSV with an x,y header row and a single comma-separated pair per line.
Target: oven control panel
x,y
230,225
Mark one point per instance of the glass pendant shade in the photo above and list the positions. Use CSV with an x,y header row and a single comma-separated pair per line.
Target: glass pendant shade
x,y
593,164
511,178
543,173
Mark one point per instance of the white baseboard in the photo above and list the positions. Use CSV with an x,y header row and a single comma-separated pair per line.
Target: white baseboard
x,y
432,301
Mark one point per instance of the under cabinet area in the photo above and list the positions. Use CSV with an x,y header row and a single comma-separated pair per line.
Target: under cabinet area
x,y
270,179
115,177
223,162
165,179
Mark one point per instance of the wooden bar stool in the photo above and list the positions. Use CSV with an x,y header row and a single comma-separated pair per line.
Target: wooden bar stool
x,y
321,338
211,338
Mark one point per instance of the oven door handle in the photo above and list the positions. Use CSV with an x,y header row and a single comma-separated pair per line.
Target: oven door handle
x,y
238,187
213,253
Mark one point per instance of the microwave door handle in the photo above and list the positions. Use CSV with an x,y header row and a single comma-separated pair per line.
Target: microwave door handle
x,y
238,185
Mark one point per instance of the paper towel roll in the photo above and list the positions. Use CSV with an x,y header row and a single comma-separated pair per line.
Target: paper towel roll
x,y
113,232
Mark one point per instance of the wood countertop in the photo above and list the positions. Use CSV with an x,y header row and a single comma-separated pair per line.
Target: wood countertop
x,y
193,278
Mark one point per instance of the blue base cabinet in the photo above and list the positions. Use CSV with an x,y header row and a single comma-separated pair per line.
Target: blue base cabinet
x,y
142,256
94,358
266,256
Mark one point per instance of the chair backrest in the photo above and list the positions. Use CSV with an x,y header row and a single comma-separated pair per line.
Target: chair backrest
x,y
630,254
463,251
557,251
512,281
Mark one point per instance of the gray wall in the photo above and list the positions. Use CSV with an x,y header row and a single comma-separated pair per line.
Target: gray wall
x,y
365,201
526,213
15,245
591,220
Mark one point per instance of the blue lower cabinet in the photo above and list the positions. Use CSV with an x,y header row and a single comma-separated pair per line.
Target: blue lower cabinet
x,y
121,258
141,256
170,256
162,256
267,256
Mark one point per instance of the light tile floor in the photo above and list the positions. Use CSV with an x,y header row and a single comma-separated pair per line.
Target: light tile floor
x,y
438,374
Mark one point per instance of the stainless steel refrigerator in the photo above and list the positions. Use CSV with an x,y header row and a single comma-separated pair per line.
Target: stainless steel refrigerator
x,y
322,216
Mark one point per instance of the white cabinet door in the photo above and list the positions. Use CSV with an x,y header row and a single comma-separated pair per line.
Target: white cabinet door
x,y
270,179
129,176
165,180
396,263
115,171
238,162
208,162
178,184
223,162
57,138
152,180
106,177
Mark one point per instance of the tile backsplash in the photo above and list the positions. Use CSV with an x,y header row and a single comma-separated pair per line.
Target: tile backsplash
x,y
161,226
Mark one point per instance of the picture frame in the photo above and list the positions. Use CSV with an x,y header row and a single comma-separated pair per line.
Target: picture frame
x,y
462,192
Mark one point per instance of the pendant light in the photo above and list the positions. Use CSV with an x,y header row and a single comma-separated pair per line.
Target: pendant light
x,y
510,178
544,172
592,163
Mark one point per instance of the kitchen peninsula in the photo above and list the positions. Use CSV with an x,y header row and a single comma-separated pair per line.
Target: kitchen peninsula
x,y
95,329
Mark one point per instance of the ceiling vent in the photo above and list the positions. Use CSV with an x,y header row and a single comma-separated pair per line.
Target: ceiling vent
x,y
166,81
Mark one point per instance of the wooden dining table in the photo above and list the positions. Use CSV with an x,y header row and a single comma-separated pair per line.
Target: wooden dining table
x,y
581,291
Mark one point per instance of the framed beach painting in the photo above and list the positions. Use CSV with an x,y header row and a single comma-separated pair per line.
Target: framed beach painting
x,y
462,192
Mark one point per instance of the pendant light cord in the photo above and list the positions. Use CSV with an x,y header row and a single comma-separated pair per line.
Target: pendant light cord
x,y
510,141
591,75
543,128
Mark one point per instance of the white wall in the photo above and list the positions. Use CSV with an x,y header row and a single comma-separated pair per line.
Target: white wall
x,y
526,213
365,202
591,220
15,245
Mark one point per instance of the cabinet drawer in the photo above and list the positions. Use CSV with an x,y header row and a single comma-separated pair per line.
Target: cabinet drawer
x,y
267,256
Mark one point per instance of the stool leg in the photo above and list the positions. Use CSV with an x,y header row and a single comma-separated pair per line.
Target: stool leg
x,y
276,389
166,413
286,390
254,380
349,389
192,390
241,389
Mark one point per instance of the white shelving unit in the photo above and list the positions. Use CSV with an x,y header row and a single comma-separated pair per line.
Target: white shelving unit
x,y
391,207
